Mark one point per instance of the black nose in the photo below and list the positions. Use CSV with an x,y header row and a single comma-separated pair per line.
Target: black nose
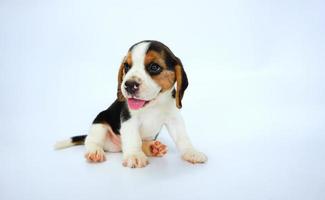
x,y
131,86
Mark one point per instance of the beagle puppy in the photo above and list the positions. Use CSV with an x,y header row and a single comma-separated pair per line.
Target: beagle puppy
x,y
146,101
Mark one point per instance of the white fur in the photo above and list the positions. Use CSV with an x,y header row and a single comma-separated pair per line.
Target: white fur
x,y
63,144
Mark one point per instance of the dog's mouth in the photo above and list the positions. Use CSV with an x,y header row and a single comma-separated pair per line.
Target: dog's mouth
x,y
136,104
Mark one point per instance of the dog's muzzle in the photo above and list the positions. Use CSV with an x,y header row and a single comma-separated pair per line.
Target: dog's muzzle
x,y
132,87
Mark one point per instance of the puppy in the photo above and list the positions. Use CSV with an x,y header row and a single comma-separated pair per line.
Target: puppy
x,y
147,100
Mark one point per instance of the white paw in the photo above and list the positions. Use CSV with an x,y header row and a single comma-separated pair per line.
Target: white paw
x,y
194,156
135,160
95,155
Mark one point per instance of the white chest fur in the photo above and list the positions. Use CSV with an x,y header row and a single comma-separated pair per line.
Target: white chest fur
x,y
152,118
151,123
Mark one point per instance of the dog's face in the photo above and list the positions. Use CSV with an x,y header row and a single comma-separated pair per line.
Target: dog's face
x,y
149,69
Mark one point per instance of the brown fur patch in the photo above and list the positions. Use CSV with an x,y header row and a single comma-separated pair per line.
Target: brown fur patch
x,y
128,59
166,78
120,76
156,57
119,82
179,79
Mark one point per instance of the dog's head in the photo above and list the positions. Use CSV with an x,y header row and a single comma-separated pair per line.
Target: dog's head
x,y
148,69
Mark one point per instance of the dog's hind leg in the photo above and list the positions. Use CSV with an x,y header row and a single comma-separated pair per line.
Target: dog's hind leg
x,y
95,142
113,141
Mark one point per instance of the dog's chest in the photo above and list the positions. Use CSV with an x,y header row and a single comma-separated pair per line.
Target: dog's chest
x,y
150,123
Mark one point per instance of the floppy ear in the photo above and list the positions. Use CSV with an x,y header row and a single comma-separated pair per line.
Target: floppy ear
x,y
120,96
181,82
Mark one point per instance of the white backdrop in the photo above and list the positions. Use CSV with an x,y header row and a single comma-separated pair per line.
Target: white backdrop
x,y
255,104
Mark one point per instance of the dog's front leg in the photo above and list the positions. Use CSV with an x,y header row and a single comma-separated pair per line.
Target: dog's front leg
x,y
133,155
176,128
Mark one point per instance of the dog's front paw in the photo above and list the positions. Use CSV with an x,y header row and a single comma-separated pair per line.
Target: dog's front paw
x,y
135,160
95,155
194,156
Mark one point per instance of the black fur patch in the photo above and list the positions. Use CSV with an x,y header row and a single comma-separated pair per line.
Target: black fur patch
x,y
184,78
125,114
174,93
159,47
118,112
80,139
184,81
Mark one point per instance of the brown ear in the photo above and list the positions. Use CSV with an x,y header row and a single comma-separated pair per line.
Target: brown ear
x,y
181,82
120,75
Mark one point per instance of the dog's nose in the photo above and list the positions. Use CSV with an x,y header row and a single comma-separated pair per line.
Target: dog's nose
x,y
131,86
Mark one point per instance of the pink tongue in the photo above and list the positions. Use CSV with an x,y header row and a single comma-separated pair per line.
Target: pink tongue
x,y
136,104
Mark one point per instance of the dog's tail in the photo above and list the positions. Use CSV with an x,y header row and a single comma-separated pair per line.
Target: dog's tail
x,y
73,141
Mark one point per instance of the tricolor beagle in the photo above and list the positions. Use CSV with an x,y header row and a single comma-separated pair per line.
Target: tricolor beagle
x,y
146,100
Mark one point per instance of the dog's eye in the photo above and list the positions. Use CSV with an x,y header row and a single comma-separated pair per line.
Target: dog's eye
x,y
154,68
126,67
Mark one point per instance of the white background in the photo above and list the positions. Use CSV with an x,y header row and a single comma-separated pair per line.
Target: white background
x,y
255,104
